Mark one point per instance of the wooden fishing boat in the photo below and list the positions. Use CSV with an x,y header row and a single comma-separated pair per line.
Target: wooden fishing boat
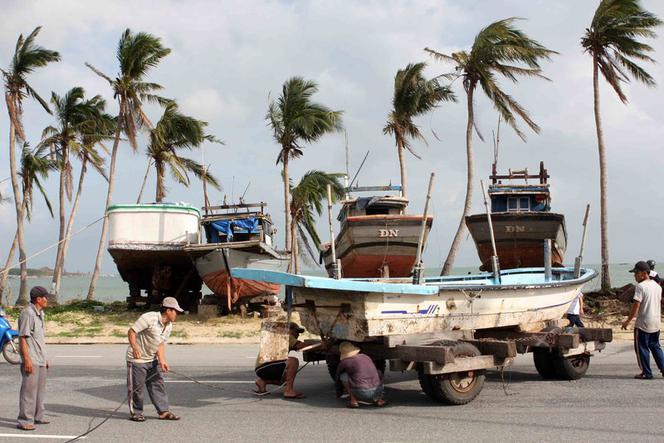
x,y
366,309
522,220
238,236
147,243
377,238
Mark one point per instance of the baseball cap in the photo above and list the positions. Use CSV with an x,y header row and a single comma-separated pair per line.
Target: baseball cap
x,y
172,303
640,266
38,291
296,327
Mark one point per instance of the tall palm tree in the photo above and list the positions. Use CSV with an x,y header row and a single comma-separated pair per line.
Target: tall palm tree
x,y
497,50
27,57
137,54
296,120
414,96
175,132
308,201
76,117
612,42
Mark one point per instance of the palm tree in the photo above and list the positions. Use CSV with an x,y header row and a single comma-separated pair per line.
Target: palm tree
x,y
137,54
76,118
612,41
175,132
27,57
495,51
413,96
307,201
295,120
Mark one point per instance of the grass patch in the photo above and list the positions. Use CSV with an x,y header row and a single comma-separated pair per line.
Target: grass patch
x,y
88,331
180,334
230,334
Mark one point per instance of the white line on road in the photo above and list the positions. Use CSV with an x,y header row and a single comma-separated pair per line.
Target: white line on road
x,y
210,381
79,356
53,437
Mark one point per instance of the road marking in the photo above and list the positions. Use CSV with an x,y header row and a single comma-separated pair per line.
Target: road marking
x,y
55,437
210,381
79,356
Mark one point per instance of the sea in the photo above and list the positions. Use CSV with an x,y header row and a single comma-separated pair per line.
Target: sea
x,y
112,288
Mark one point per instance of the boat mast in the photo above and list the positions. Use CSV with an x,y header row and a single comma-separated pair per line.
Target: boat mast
x,y
578,260
417,269
336,268
495,266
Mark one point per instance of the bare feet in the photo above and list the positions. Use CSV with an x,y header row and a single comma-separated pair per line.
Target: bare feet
x,y
294,395
261,386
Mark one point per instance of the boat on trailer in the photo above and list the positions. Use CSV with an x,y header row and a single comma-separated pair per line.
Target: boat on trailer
x,y
238,236
522,220
377,237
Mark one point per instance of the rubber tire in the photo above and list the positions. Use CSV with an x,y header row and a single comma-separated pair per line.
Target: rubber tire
x,y
9,354
544,360
442,386
425,383
332,361
572,368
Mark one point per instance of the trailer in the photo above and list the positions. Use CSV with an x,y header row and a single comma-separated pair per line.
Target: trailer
x,y
451,370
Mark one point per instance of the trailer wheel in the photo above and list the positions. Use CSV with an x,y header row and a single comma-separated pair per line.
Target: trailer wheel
x,y
457,388
332,361
572,368
425,383
544,360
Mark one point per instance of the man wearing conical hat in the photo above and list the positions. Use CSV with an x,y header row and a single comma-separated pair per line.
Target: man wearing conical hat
x,y
359,376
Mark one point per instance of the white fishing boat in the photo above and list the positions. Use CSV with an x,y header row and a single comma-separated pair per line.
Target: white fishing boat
x,y
365,309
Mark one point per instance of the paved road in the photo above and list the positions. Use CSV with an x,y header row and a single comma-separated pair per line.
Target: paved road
x,y
88,381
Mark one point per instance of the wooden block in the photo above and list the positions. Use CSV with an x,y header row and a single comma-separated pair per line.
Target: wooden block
x,y
437,354
497,348
596,334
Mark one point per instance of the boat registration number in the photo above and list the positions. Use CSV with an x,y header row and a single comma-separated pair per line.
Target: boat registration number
x,y
384,233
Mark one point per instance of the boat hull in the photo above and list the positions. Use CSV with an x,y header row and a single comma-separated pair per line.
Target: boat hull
x,y
368,244
519,238
214,273
364,311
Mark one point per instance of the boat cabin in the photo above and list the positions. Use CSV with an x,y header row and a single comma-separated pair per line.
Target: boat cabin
x,y
237,223
372,205
520,197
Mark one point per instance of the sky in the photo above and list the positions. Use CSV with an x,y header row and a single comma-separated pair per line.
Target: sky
x,y
230,57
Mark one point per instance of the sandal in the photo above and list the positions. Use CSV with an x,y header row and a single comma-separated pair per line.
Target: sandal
x,y
25,427
42,422
353,405
168,416
137,418
642,377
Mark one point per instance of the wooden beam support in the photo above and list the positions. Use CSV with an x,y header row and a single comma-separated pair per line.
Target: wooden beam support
x,y
438,354
596,334
498,348
535,339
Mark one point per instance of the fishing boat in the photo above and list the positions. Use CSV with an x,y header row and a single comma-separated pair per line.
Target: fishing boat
x,y
238,236
363,310
147,243
377,238
522,220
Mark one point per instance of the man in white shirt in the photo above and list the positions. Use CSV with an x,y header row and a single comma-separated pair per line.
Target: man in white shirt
x,y
575,311
647,309
146,360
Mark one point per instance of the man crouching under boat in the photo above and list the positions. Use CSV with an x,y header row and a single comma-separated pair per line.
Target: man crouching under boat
x,y
146,360
359,376
283,371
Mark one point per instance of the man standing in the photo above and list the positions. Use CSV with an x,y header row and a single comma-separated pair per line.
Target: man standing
x,y
575,311
146,361
646,307
34,363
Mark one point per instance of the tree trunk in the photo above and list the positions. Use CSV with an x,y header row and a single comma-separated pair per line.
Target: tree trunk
x,y
70,225
159,194
57,268
603,184
5,273
294,249
109,199
145,179
402,167
456,243
12,110
287,215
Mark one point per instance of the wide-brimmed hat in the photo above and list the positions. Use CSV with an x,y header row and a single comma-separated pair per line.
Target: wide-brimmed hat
x,y
640,266
171,303
348,350
295,327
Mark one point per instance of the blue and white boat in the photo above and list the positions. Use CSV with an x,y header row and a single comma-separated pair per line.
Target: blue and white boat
x,y
365,309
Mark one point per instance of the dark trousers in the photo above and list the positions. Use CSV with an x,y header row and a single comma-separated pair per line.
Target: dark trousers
x,y
644,344
575,320
146,375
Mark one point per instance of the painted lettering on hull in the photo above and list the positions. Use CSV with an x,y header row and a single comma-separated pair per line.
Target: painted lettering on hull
x,y
515,229
385,233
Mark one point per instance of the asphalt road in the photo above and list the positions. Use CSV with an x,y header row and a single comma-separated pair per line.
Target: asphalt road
x,y
88,381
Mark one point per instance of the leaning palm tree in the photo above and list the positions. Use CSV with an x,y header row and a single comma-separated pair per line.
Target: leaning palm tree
x,y
137,54
296,120
612,41
414,96
75,118
495,51
176,132
27,57
307,201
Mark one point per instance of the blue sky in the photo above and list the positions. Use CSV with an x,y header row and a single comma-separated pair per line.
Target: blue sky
x,y
228,57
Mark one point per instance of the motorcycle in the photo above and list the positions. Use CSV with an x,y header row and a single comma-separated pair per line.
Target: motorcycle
x,y
9,340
